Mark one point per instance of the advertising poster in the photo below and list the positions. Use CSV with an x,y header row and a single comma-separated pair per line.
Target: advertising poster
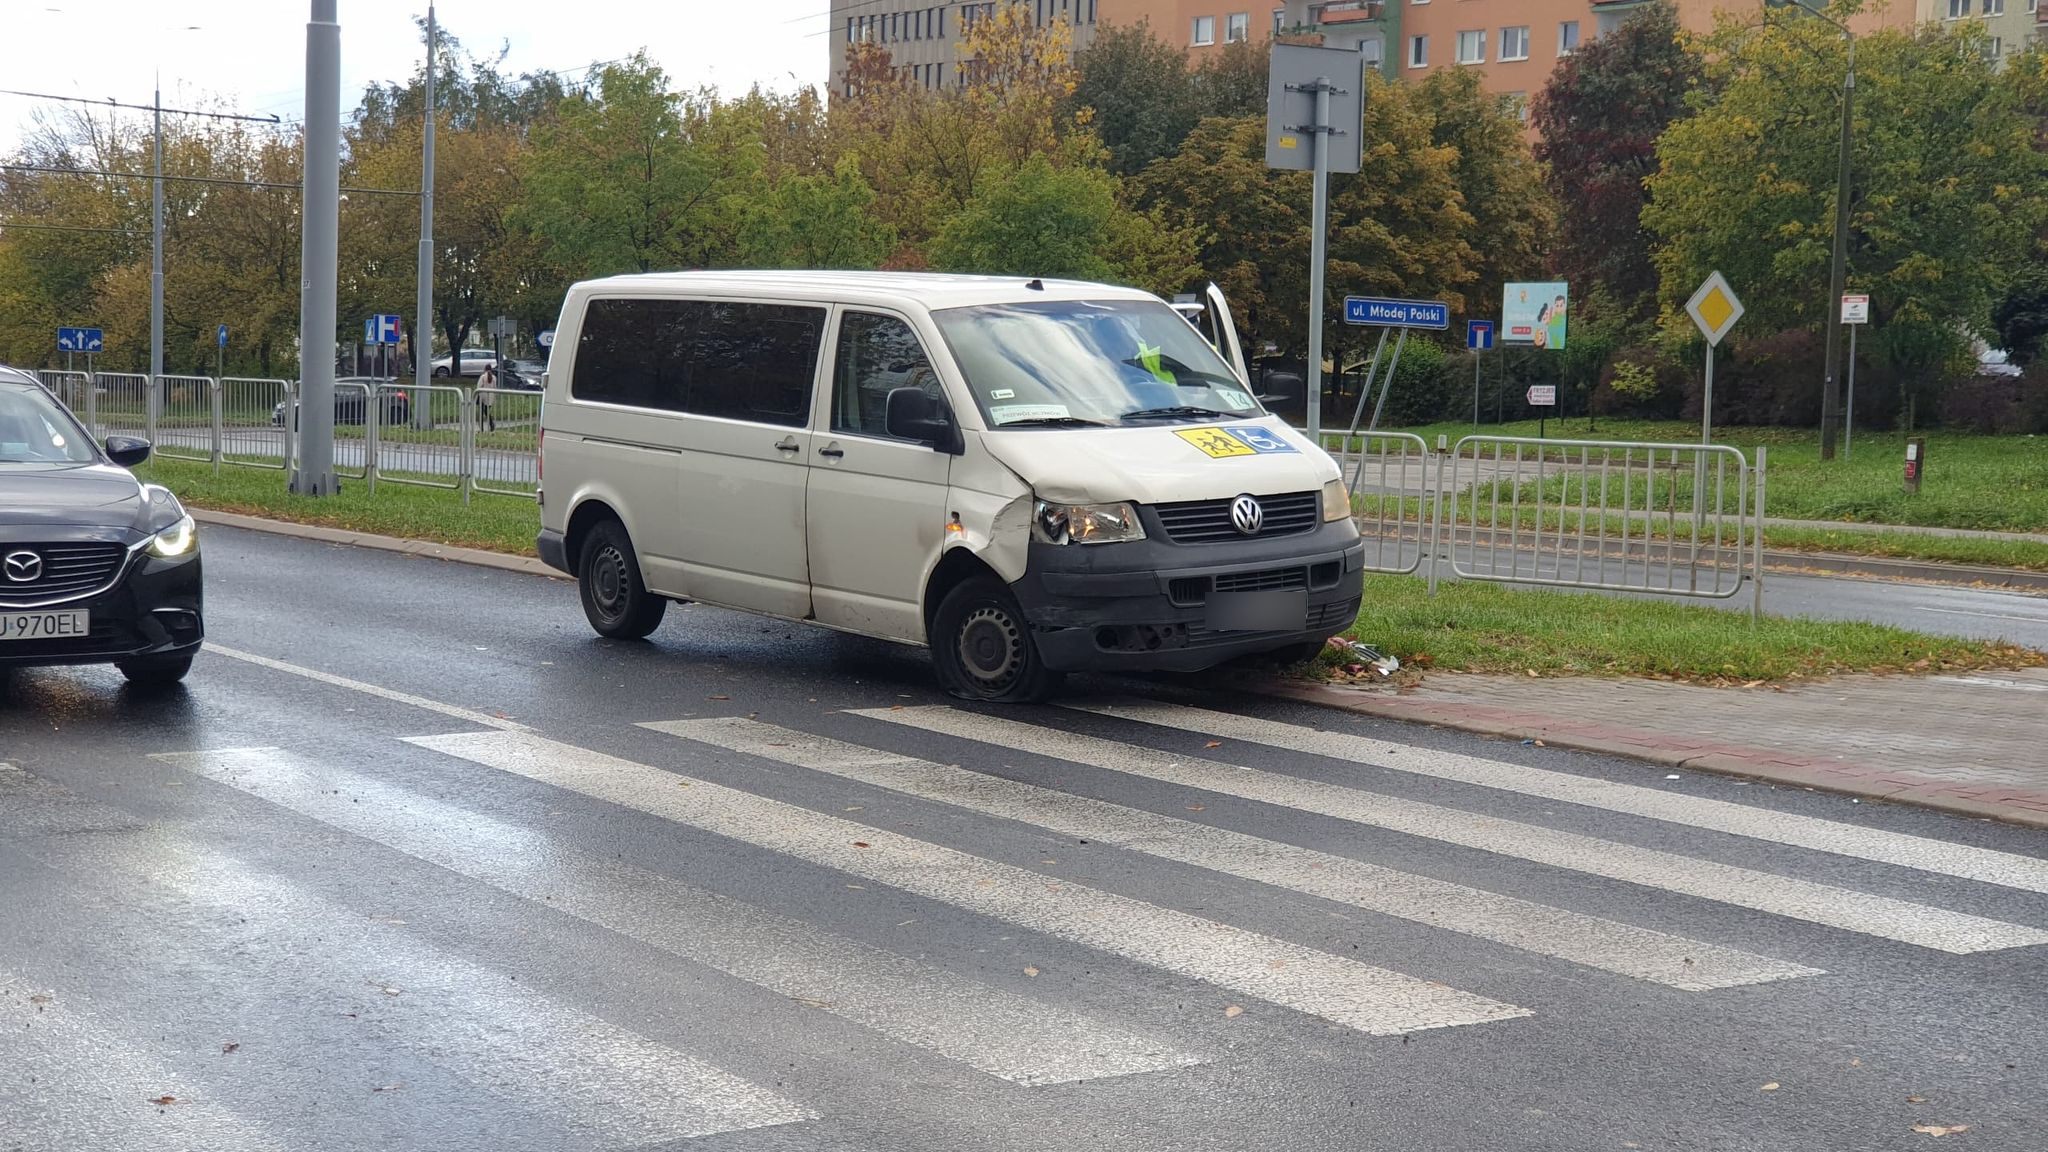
x,y
1533,315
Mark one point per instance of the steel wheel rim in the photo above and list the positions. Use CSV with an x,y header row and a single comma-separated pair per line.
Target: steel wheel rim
x,y
608,582
991,647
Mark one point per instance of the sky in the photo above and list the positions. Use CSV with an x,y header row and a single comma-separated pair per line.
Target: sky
x,y
250,54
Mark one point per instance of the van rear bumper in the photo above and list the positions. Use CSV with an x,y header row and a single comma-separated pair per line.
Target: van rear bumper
x,y
554,551
1144,606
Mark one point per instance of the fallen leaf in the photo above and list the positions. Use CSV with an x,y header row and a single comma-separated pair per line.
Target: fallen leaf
x,y
1233,1012
854,808
164,1100
718,697
860,844
40,998
1532,673
391,991
387,1087
1855,1062
1028,971
228,1047
1197,807
1048,861
1940,1130
1213,744
858,887
1541,744
1916,1099
1771,1087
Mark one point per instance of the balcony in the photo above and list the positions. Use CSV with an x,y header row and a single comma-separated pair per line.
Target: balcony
x,y
1346,12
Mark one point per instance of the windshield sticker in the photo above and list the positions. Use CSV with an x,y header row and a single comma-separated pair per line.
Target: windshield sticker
x,y
1215,442
1262,440
1238,401
1003,394
1011,413
1149,357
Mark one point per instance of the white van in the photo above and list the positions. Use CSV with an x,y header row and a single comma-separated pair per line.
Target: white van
x,y
1031,477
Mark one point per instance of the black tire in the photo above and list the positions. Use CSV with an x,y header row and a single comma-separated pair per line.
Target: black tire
x,y
440,373
1303,653
615,600
156,671
983,648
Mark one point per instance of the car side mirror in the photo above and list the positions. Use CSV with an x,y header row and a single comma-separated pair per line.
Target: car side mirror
x,y
127,451
914,414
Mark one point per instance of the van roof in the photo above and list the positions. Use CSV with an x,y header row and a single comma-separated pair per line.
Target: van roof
x,y
933,290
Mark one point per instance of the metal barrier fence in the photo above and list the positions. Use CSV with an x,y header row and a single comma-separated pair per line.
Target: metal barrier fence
x,y
355,452
72,389
185,427
1680,520
119,403
255,422
505,457
434,453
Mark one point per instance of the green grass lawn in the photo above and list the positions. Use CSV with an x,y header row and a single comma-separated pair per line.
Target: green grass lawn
x,y
1475,627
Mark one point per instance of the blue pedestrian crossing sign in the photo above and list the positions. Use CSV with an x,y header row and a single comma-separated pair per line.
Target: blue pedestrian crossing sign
x,y
1479,335
381,329
80,340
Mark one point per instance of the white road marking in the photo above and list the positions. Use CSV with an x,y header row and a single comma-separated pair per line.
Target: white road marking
x,y
73,1083
1742,887
1968,862
1992,682
392,694
1985,615
1589,940
620,1088
1002,1034
1369,999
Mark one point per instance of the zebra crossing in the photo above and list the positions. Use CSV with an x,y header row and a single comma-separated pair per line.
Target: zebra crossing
x,y
614,1083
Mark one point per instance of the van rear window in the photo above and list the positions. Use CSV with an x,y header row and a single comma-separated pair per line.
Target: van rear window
x,y
740,361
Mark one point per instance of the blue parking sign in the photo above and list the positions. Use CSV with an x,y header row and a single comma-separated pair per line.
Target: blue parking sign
x,y
1261,440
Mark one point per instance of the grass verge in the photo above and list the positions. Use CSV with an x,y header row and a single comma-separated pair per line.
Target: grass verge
x,y
1473,627
497,523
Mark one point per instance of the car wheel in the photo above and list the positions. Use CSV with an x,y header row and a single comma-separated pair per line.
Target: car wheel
x,y
156,671
983,648
617,603
440,373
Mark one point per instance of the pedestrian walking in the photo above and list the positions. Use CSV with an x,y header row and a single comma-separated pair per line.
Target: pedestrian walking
x,y
488,380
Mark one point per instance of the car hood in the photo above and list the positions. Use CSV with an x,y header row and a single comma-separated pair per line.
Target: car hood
x,y
1163,463
44,496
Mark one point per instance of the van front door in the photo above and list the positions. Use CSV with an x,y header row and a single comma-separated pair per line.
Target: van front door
x,y
876,511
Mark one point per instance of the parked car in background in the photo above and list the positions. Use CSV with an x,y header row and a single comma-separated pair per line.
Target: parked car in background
x,y
351,403
96,567
472,363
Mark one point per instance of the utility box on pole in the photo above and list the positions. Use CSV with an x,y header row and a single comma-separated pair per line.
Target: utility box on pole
x,y
1315,115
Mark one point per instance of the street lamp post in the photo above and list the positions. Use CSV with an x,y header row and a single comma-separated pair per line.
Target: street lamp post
x,y
1831,388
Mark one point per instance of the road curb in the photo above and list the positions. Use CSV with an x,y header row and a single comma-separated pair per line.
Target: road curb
x,y
524,565
2022,806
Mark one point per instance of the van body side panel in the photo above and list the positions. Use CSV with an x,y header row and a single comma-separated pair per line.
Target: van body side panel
x,y
877,520
994,507
737,499
629,461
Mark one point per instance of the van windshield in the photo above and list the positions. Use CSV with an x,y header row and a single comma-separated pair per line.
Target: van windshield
x,y
1068,363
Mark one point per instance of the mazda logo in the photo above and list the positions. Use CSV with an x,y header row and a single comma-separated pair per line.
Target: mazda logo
x,y
22,567
1246,516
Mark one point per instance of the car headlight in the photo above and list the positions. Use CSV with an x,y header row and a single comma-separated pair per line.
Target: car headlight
x,y
175,541
1336,501
1084,523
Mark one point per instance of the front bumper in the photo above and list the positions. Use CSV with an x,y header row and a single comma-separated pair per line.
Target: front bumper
x,y
154,609
1144,606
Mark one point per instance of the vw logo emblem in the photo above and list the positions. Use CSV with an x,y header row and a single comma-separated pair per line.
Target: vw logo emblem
x,y
1246,516
22,567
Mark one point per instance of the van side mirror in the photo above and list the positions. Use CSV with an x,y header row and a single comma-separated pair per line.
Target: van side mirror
x,y
914,414
127,451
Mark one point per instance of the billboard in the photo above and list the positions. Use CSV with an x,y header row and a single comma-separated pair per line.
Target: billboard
x,y
1533,315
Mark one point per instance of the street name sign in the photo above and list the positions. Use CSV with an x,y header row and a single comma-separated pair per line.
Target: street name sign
x,y
1374,312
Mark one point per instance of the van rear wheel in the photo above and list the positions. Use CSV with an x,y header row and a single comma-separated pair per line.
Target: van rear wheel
x,y
983,648
615,599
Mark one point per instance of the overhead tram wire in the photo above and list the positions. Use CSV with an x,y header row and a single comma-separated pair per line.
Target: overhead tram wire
x,y
194,179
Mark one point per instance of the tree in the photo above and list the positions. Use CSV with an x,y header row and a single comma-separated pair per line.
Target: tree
x,y
1138,93
821,221
1513,216
1232,81
1035,221
1948,195
1600,117
2021,318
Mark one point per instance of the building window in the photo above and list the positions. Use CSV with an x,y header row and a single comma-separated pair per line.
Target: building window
x,y
1279,20
1204,32
1418,51
1567,37
1996,48
1472,47
1514,43
1237,27
1994,7
1957,9
1517,104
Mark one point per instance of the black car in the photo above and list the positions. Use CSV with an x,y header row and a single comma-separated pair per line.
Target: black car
x,y
352,403
96,567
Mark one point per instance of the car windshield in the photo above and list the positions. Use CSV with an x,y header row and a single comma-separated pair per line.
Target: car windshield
x,y
1064,363
34,430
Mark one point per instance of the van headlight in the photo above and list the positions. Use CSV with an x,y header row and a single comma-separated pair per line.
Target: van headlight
x,y
1336,501
175,541
1084,523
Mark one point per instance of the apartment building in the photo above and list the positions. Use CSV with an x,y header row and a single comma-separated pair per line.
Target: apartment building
x,y
2012,25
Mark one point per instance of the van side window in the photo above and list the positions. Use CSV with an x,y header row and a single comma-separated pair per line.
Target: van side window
x,y
876,354
630,351
755,362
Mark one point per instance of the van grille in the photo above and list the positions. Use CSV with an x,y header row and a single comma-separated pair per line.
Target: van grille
x,y
1208,521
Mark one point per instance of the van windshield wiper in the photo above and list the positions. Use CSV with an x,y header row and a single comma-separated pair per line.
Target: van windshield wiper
x,y
1177,410
1053,422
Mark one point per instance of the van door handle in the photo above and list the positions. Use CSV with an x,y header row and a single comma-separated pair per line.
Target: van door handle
x,y
788,444
832,451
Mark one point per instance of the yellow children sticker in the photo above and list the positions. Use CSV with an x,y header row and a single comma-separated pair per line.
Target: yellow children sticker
x,y
1215,442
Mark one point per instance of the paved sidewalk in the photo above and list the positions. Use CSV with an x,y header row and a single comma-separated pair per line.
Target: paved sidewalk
x,y
1974,744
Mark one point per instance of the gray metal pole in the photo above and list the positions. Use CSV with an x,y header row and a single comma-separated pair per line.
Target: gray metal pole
x,y
156,263
1707,402
1387,385
1476,359
319,260
423,308
1849,412
1831,395
1318,224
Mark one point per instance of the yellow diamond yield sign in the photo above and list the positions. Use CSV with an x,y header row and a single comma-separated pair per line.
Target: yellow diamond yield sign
x,y
1714,308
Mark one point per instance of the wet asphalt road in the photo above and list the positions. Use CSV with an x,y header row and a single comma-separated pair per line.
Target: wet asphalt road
x,y
405,867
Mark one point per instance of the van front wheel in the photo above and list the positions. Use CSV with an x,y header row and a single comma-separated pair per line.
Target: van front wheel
x,y
983,647
617,603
